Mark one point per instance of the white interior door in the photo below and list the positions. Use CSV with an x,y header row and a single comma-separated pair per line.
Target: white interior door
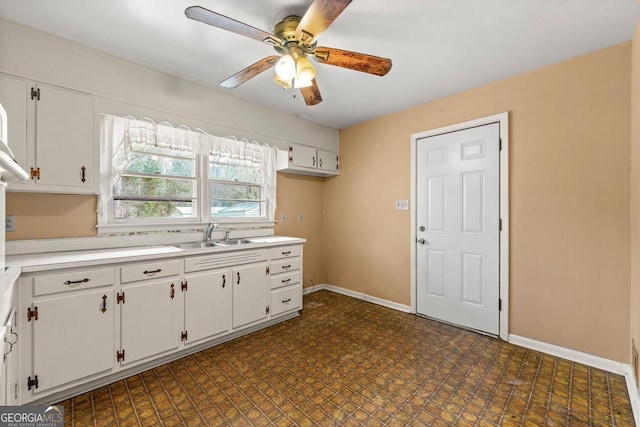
x,y
458,227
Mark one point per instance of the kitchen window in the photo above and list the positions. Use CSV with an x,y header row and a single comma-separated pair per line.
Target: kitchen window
x,y
156,176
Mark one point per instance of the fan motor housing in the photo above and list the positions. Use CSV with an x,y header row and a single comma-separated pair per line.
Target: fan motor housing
x,y
286,31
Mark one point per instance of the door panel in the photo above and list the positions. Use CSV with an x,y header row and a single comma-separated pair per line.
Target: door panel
x,y
457,212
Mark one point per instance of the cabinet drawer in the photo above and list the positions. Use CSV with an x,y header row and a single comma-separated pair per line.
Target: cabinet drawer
x,y
149,270
286,299
72,280
284,265
285,279
286,251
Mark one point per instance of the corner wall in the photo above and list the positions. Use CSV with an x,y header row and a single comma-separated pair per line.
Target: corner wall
x,y
635,191
569,200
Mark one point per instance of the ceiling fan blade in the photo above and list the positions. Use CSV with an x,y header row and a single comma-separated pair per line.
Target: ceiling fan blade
x,y
311,94
250,72
318,17
352,60
212,18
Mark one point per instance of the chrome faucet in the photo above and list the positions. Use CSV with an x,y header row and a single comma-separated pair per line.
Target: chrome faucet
x,y
209,230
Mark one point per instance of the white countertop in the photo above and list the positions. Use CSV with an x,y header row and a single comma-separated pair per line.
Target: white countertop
x,y
69,259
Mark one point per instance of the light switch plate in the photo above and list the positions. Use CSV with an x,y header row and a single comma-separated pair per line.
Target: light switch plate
x,y
402,205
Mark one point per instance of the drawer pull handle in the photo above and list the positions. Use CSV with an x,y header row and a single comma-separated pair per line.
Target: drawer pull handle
x,y
75,282
286,280
238,277
104,303
172,294
152,271
286,301
286,267
224,280
286,253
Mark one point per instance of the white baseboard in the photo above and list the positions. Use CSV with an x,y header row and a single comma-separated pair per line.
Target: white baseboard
x,y
589,360
359,295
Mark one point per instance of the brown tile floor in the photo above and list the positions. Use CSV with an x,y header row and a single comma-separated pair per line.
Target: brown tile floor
x,y
348,362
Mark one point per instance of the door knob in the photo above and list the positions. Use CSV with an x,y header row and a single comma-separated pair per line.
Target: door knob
x,y
421,228
421,241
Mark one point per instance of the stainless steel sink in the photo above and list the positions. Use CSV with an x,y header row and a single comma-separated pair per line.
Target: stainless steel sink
x,y
195,245
232,242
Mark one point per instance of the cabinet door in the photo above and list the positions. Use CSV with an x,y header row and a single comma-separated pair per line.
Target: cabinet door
x,y
250,294
328,161
13,97
207,304
304,156
73,338
150,323
64,137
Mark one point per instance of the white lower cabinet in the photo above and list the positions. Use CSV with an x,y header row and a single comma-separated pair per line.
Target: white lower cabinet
x,y
250,294
80,327
207,305
150,320
68,328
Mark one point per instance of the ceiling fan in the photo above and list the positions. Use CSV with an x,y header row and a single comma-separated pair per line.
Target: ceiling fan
x,y
295,38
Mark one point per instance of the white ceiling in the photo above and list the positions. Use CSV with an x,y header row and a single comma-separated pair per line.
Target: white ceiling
x,y
438,47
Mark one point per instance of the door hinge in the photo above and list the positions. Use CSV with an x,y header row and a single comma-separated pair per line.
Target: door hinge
x,y
184,286
32,314
267,310
120,356
500,304
120,298
32,382
267,269
500,224
34,173
183,335
35,93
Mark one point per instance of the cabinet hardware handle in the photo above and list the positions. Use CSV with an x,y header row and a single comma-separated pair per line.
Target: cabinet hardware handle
x,y
104,303
83,169
75,282
314,161
173,291
286,301
4,356
286,267
224,280
286,253
152,271
238,277
320,162
286,280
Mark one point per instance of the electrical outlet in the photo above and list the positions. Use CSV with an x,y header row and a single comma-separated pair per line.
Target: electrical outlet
x,y
300,217
10,223
283,217
402,205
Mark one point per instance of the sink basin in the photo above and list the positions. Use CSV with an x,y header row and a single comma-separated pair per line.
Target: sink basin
x,y
195,245
232,242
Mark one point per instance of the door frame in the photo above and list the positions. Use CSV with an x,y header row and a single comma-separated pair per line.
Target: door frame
x,y
503,121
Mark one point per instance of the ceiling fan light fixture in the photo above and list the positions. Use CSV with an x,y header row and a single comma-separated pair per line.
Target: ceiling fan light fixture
x,y
305,70
286,67
300,83
286,84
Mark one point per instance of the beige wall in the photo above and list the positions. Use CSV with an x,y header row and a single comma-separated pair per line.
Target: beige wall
x,y
303,194
635,190
569,200
46,216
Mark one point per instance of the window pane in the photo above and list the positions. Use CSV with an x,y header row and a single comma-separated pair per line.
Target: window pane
x,y
236,170
234,191
163,165
154,187
123,209
225,209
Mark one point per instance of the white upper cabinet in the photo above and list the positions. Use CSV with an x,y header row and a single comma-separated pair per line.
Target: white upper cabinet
x,y
51,135
305,160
